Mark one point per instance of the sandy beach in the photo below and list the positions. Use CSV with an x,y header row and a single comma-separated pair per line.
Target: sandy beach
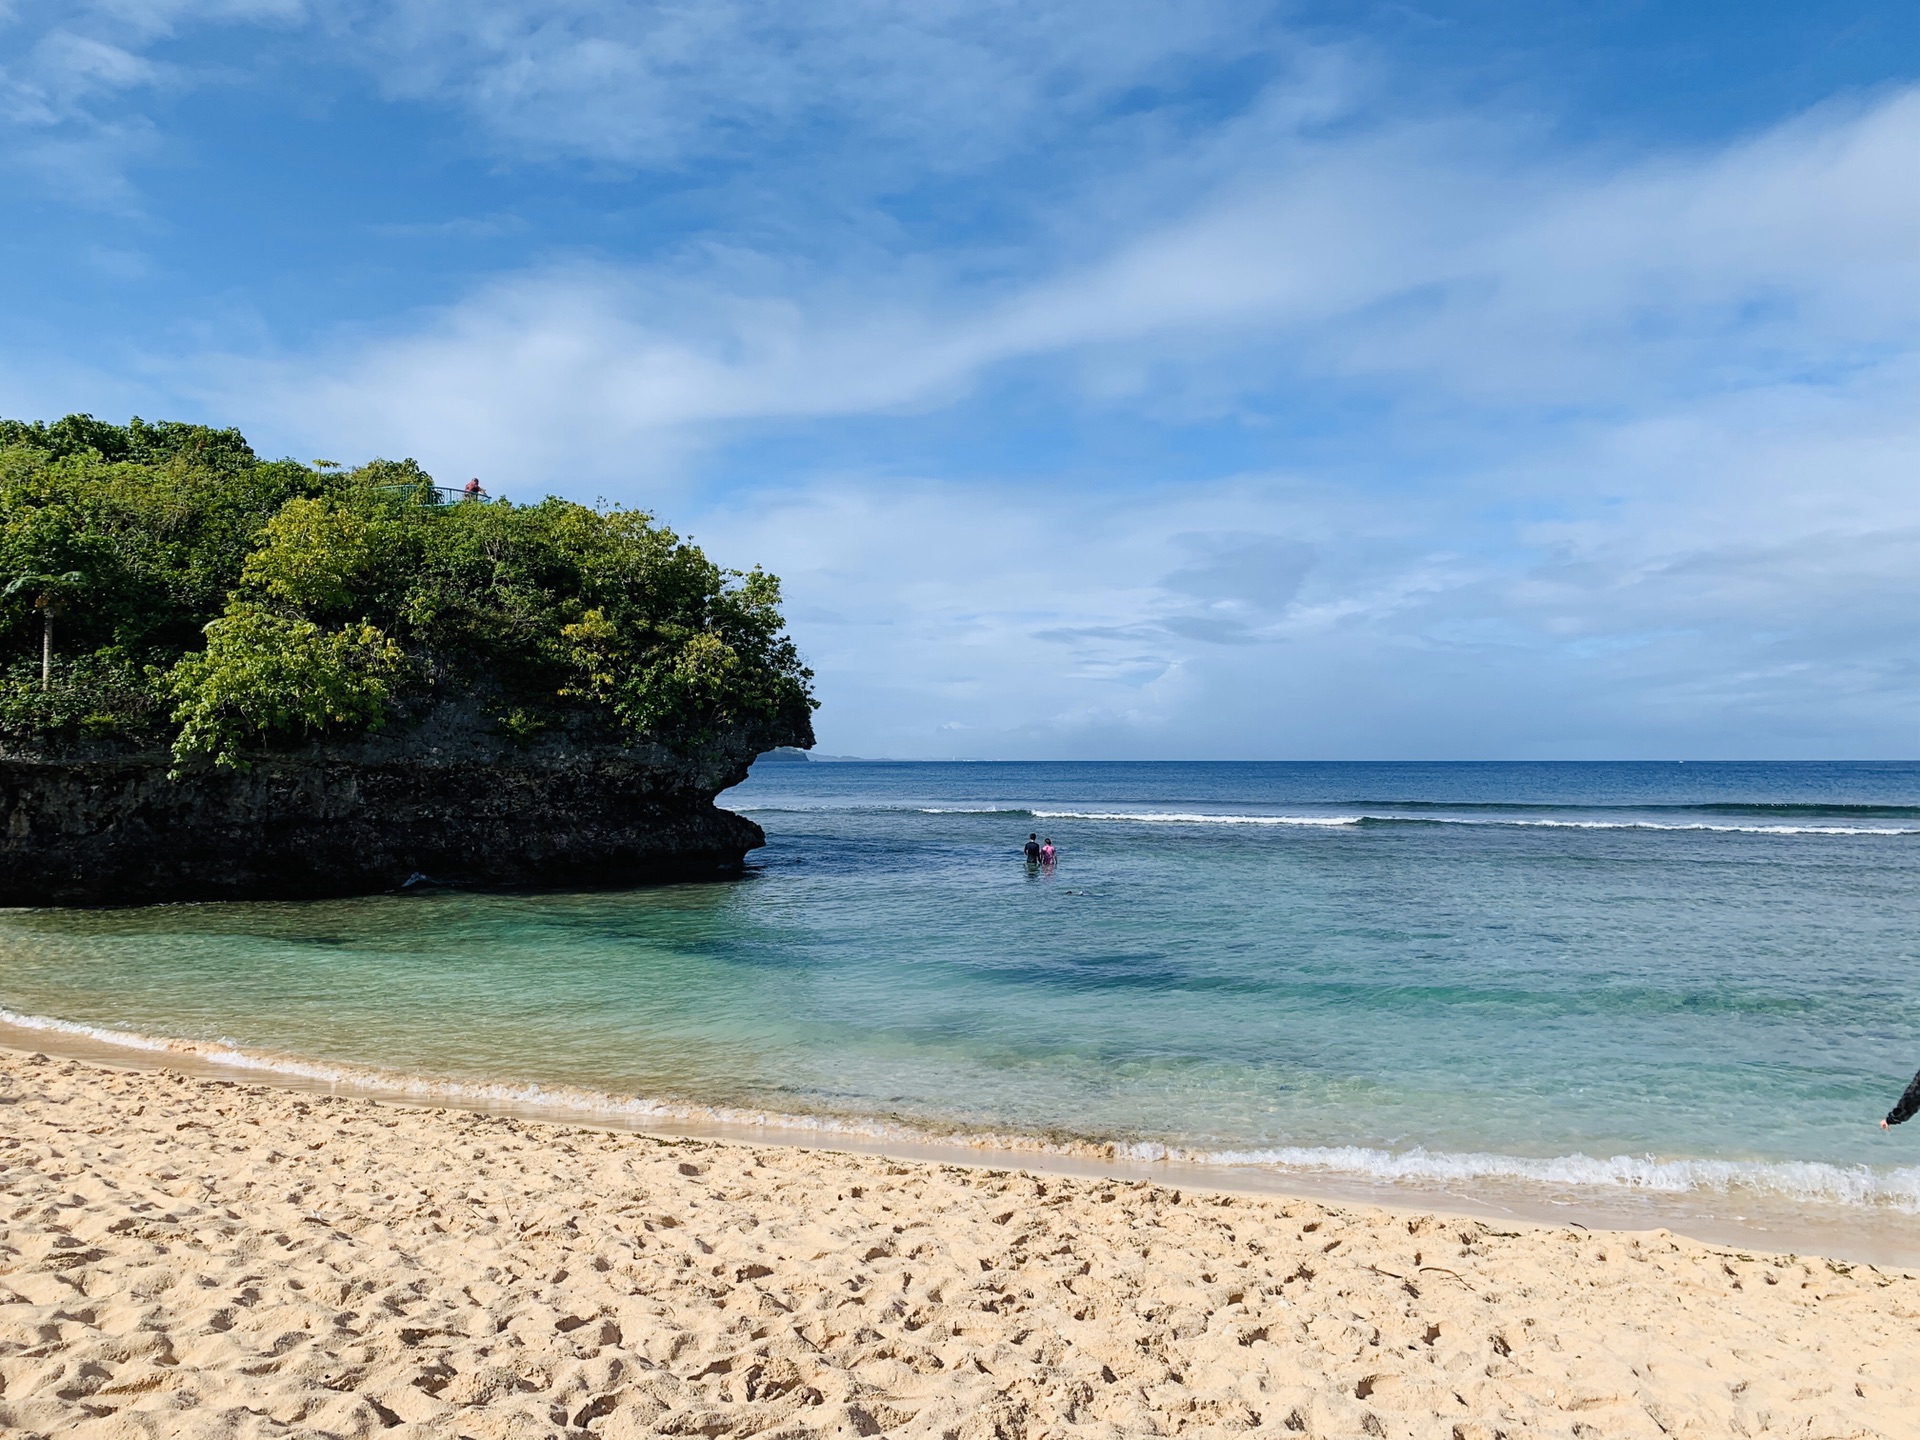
x,y
189,1257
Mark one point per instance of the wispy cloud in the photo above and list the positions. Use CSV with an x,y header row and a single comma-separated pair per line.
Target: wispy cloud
x,y
1407,262
846,106
458,227
72,116
970,618
952,84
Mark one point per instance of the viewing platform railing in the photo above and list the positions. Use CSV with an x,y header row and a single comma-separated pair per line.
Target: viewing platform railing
x,y
435,494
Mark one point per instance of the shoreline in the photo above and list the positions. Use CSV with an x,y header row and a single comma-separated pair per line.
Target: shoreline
x,y
208,1258
1868,1235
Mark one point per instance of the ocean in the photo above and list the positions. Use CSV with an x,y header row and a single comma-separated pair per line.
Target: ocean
x,y
1687,988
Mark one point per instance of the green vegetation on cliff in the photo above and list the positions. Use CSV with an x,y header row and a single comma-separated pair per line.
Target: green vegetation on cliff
x,y
161,582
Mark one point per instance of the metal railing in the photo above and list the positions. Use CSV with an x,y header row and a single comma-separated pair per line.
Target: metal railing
x,y
434,494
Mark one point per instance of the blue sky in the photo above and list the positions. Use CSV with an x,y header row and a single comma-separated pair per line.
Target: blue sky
x,y
1186,380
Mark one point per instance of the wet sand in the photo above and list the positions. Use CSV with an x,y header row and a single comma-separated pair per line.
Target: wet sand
x,y
1873,1234
183,1256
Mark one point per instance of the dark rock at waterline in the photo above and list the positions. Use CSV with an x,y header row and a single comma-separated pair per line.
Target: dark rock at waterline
x,y
449,800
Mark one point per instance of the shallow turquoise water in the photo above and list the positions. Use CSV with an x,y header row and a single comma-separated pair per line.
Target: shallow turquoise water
x,y
1666,975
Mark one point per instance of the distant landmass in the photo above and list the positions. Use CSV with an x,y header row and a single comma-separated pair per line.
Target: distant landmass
x,y
788,753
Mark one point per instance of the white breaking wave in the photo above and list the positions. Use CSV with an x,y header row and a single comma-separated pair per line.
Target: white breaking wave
x,y
1691,825
366,1080
1179,817
971,810
1894,1188
1897,1187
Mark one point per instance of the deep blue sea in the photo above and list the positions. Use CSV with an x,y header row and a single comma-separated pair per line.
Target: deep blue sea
x,y
1665,978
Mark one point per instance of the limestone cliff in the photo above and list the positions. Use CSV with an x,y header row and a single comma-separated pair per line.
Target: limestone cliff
x,y
448,800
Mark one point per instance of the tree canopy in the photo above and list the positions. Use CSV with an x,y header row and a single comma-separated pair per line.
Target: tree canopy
x,y
225,604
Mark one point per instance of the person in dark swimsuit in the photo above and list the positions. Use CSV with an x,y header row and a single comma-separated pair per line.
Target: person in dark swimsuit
x,y
1033,849
1905,1106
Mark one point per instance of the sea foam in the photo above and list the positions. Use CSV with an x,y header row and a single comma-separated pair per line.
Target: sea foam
x,y
1893,1188
1896,1187
1182,817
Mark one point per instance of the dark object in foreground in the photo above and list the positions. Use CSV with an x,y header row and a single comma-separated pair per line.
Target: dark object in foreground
x,y
1906,1106
449,799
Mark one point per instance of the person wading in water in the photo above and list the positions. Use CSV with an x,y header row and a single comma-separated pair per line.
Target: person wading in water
x,y
1033,849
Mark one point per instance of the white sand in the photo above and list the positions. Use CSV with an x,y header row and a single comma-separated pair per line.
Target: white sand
x,y
185,1257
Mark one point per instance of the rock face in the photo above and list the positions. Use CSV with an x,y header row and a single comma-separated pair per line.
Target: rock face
x,y
448,800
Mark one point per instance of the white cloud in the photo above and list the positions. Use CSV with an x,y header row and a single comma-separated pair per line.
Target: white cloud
x,y
836,104
148,19
71,68
962,618
664,84
1389,260
72,101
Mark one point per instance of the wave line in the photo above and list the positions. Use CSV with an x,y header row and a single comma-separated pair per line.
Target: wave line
x,y
1895,1188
